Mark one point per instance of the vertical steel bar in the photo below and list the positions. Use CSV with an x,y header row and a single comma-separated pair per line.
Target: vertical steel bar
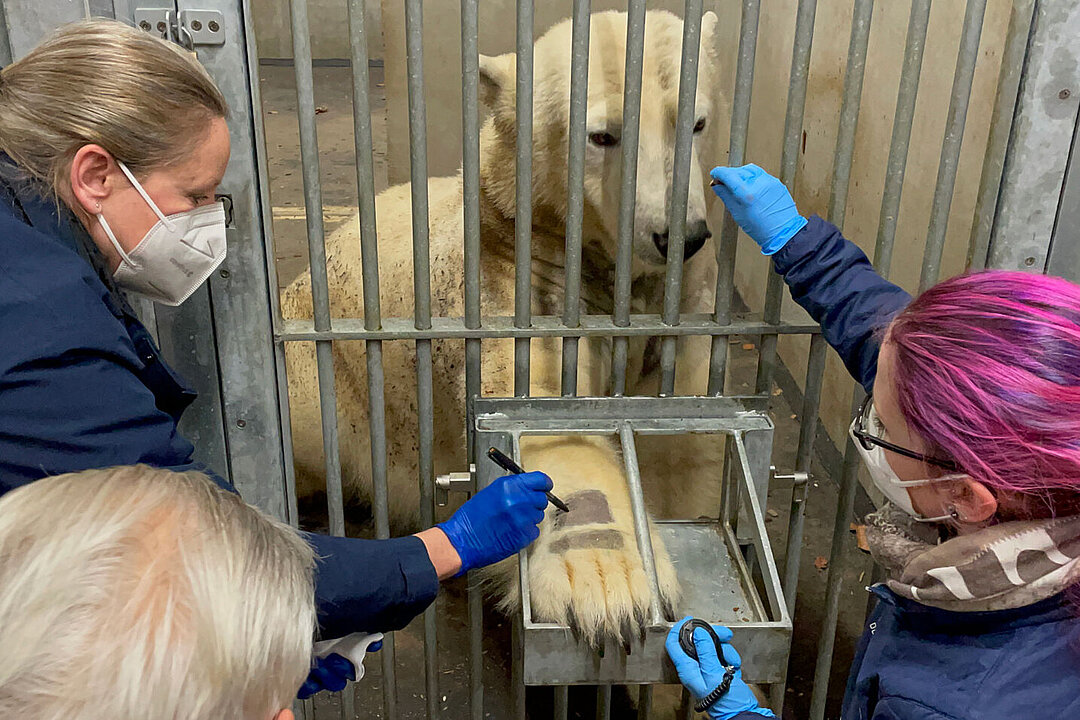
x,y
523,194
575,192
901,133
849,109
603,702
470,177
645,702
641,517
631,124
789,163
729,233
845,504
680,188
320,294
414,41
687,705
890,205
562,702
966,58
815,374
1008,88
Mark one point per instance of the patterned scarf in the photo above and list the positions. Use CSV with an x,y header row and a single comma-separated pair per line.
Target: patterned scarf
x,y
1003,566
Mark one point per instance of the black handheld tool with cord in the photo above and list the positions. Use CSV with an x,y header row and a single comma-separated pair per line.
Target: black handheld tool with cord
x,y
686,642
506,463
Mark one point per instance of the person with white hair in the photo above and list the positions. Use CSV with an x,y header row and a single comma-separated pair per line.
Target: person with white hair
x,y
135,592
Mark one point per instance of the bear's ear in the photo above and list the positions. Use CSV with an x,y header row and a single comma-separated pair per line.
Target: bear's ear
x,y
497,73
709,21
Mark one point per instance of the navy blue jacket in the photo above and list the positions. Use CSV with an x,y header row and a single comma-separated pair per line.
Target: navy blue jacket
x,y
916,662
83,386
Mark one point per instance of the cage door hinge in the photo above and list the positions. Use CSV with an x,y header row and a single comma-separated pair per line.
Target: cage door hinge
x,y
186,28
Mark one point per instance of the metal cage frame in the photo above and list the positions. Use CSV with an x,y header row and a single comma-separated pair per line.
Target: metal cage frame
x,y
237,359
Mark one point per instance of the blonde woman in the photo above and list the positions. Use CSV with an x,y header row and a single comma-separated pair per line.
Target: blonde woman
x,y
134,593
113,145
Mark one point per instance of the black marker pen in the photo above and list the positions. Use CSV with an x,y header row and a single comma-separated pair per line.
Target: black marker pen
x,y
510,466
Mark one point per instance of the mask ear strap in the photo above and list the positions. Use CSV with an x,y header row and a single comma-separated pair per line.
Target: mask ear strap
x,y
137,186
929,481
113,240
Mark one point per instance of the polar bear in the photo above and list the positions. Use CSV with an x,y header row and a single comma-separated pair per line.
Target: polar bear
x,y
585,568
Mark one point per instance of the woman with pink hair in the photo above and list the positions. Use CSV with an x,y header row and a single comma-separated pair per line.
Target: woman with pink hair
x,y
971,431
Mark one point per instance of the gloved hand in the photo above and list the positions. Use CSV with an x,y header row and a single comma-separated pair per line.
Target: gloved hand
x,y
701,676
760,204
331,673
499,520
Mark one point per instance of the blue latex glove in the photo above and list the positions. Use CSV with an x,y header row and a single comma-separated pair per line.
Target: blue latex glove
x,y
701,676
330,673
499,520
760,204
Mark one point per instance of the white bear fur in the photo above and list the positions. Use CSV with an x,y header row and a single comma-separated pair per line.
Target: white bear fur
x,y
604,593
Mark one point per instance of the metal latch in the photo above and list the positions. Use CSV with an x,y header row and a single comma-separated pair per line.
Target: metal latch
x,y
187,28
454,482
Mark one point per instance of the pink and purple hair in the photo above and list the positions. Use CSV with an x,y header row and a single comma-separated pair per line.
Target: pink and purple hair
x,y
988,374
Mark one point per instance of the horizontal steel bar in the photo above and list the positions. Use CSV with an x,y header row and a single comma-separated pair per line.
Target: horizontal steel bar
x,y
542,326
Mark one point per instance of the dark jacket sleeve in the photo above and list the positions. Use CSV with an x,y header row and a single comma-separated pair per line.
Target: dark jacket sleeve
x,y
73,397
832,279
370,585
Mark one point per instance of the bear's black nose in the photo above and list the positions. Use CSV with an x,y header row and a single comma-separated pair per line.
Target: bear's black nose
x,y
696,235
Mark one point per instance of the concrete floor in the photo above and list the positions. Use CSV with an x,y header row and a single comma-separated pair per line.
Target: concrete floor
x,y
337,160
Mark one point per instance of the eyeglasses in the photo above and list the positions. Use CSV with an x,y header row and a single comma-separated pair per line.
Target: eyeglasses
x,y
861,431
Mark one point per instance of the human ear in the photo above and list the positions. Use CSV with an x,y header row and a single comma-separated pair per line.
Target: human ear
x,y
90,176
973,501
285,714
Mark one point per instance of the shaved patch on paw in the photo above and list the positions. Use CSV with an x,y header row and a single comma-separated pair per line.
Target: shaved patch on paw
x,y
589,540
586,507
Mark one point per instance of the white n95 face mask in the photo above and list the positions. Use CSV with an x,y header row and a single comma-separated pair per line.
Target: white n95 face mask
x,y
891,486
176,256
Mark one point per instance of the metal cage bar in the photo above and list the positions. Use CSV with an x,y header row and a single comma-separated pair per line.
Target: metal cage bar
x,y
1008,89
631,123
470,178
861,16
680,187
641,517
815,376
497,326
320,295
966,58
523,193
575,191
729,232
369,261
789,163
414,42
901,134
890,206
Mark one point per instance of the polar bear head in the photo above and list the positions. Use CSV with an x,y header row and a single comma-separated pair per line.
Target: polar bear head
x,y
603,152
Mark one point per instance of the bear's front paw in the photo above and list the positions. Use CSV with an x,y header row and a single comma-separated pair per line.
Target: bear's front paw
x,y
589,575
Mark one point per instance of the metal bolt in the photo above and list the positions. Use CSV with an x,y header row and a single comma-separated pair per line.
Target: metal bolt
x,y
213,25
145,25
1064,94
196,25
161,26
1029,261
225,274
241,423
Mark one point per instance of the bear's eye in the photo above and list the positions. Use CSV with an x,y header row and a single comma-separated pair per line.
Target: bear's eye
x,y
699,125
603,139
